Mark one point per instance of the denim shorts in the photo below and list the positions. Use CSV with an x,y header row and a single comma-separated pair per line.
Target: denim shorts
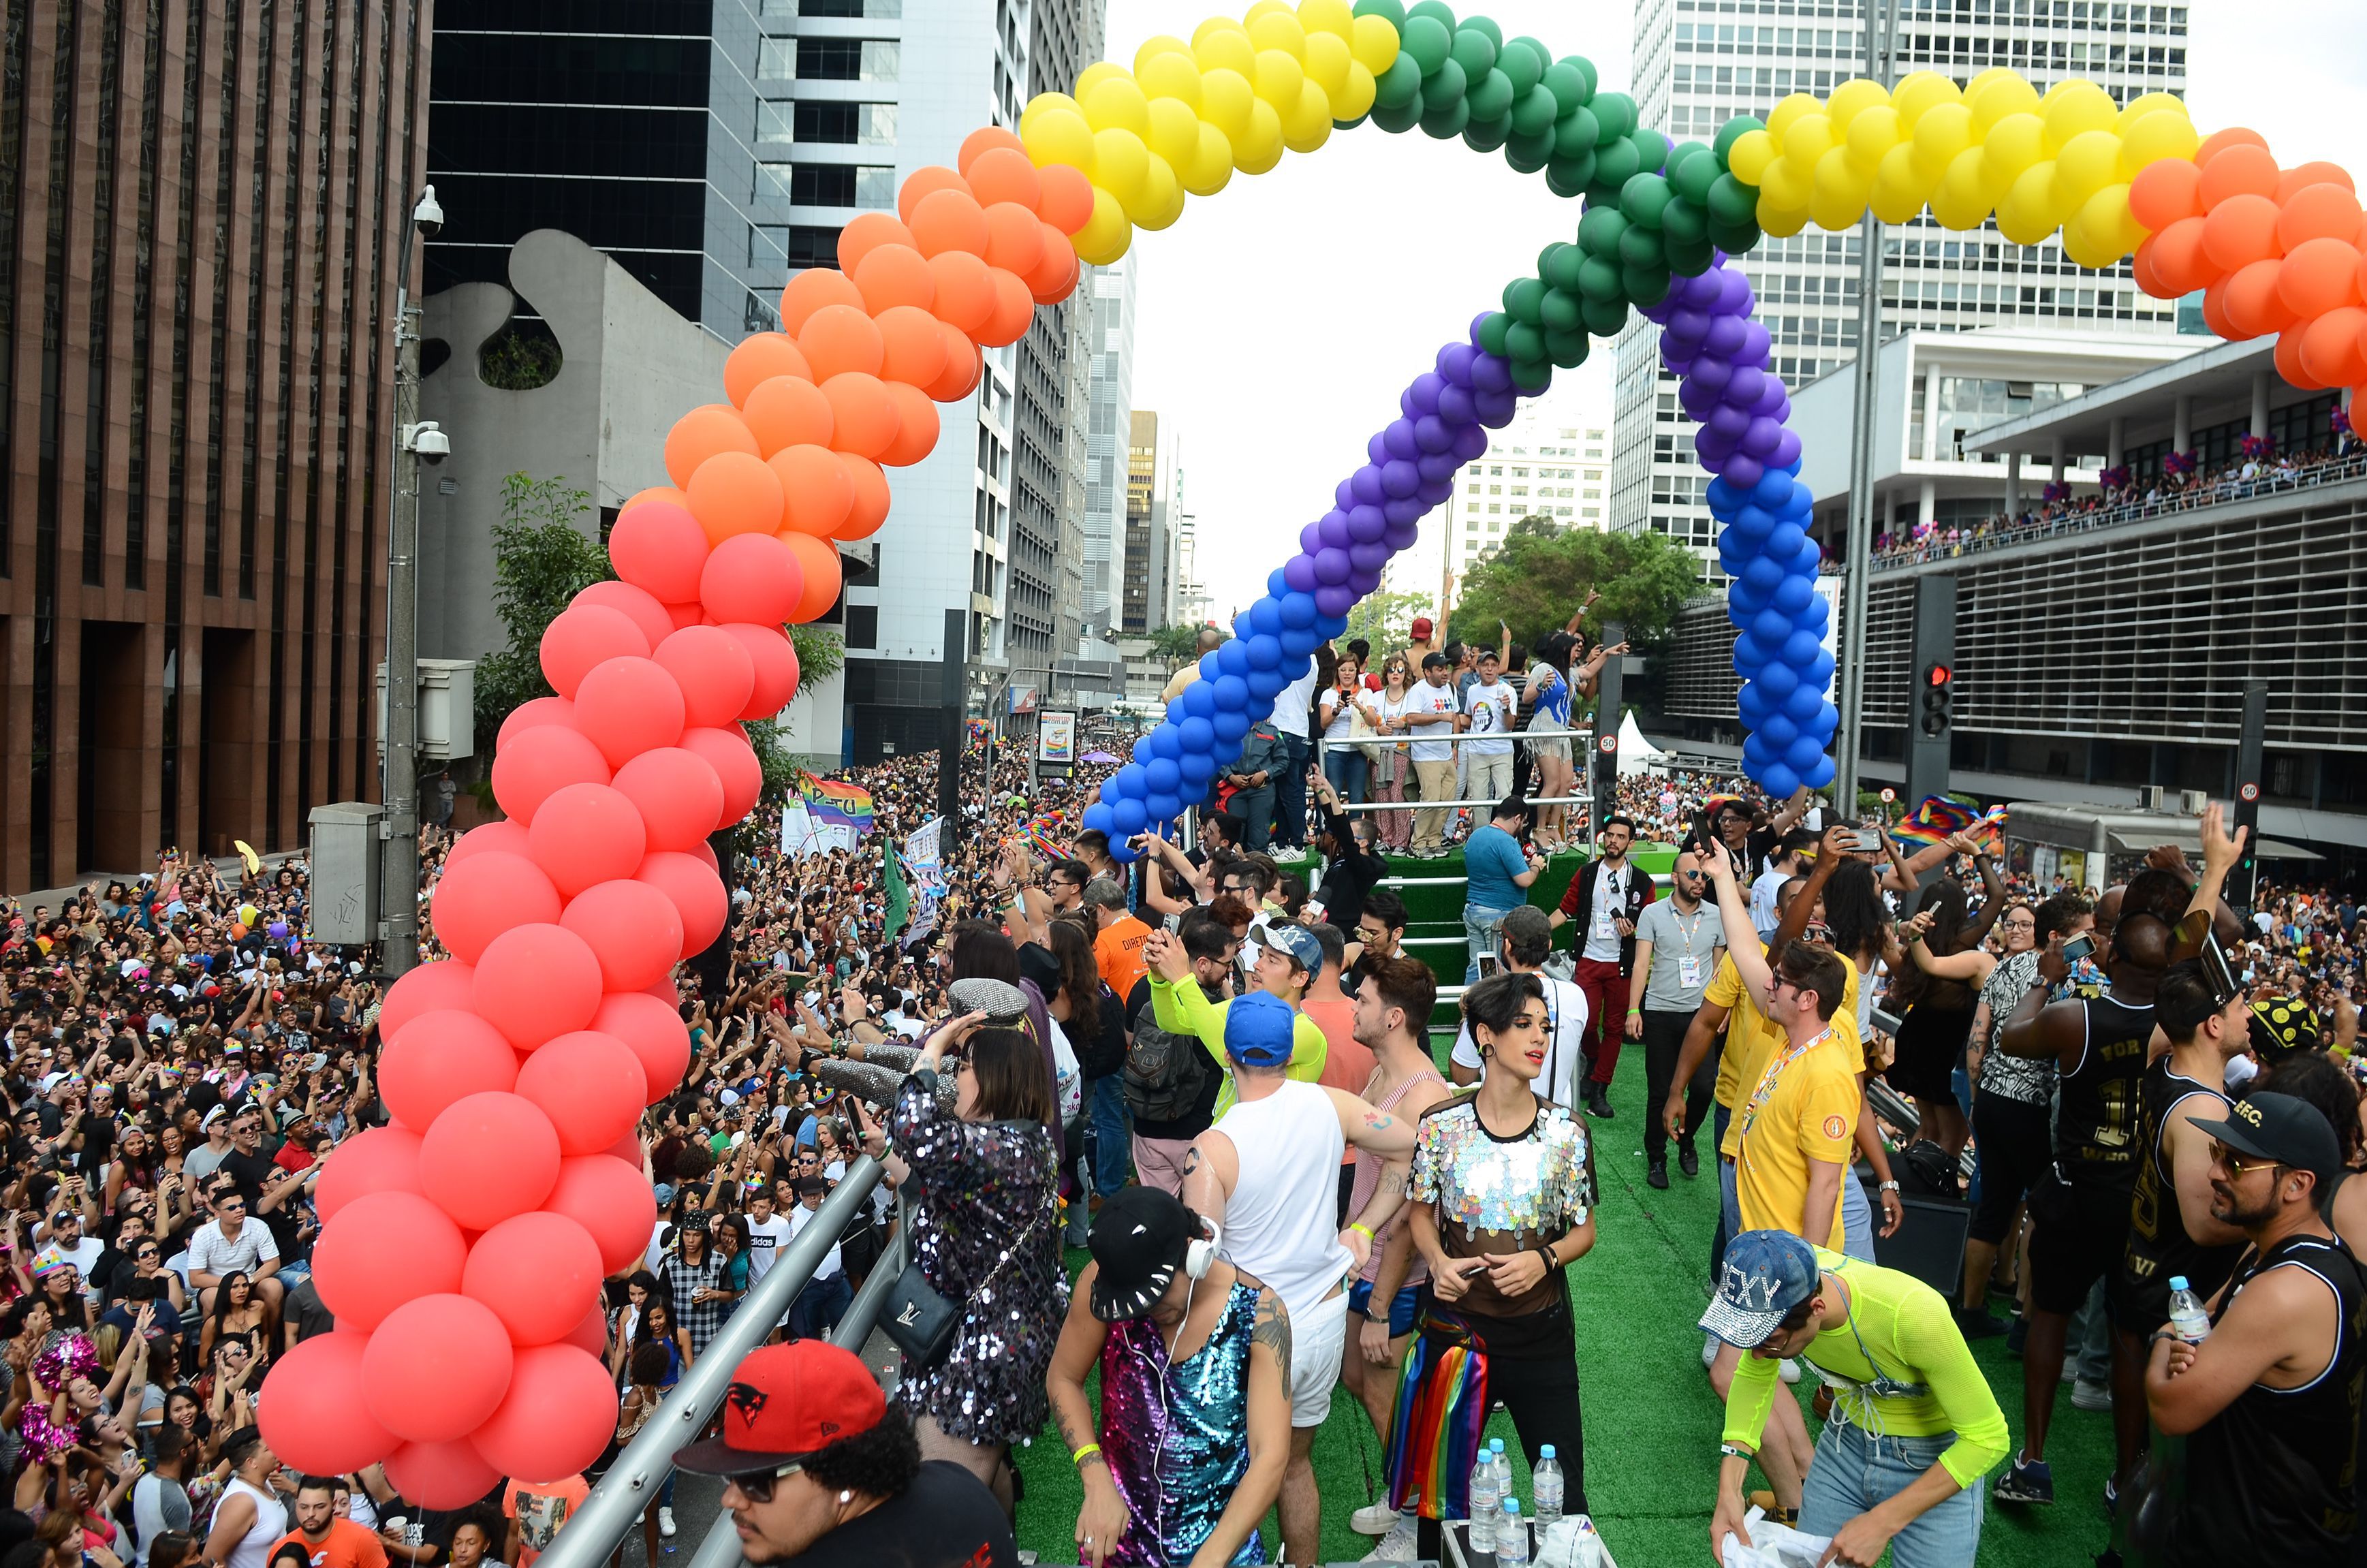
x,y
1360,1295
1853,1471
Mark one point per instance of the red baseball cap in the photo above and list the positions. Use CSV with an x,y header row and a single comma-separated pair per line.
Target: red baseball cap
x,y
784,1402
1421,627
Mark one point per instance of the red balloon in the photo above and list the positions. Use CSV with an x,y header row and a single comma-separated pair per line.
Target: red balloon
x,y
751,577
441,1475
587,833
486,895
775,661
488,1157
590,1334
444,984
590,1084
537,981
677,793
311,1413
612,1200
559,1413
541,761
734,761
384,1159
655,1033
630,706
628,1149
509,838
632,929
641,606
698,893
531,712
713,671
436,1369
438,1058
390,1248
659,548
583,636
539,1272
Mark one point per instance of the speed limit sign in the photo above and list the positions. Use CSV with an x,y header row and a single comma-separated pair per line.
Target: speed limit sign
x,y
1609,743
1889,795
2250,792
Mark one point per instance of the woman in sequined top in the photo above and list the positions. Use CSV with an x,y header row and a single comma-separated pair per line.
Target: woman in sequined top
x,y
984,1181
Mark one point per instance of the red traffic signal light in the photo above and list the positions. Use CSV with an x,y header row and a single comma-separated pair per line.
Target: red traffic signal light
x,y
1939,698
1938,674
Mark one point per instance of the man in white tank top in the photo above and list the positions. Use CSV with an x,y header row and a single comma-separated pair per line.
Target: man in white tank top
x,y
1268,1173
250,1519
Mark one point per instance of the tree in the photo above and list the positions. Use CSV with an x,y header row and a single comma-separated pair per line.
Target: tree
x,y
1176,645
1541,574
1385,621
541,559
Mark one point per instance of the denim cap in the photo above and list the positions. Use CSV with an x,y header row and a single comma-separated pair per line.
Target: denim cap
x,y
1766,1274
1258,1029
1295,943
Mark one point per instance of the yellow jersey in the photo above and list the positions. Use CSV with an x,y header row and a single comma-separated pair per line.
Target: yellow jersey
x,y
1803,1108
1753,1037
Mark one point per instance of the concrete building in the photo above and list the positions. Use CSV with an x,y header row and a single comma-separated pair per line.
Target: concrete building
x,y
1700,63
200,210
1109,477
1192,604
1147,561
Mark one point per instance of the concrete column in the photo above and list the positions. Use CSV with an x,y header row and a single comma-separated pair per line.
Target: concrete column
x,y
2260,403
2058,460
2116,442
2182,435
1931,414
1927,507
2013,485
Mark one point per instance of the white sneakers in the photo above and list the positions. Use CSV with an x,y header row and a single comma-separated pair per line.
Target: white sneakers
x,y
1372,1519
665,1523
1399,1546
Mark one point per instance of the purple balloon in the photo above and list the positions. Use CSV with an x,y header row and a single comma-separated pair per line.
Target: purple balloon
x,y
1688,327
1771,401
1755,343
1365,523
1695,398
1332,566
1713,372
1730,423
1497,408
1454,408
1399,440
1700,293
1400,477
1310,538
1471,443
1425,390
1401,536
1786,452
1490,373
1743,390
1377,449
1332,530
1437,465
1336,599
1725,338
1760,439
1472,331
1454,362
1366,484
1299,570
1731,293
1742,469
1406,509
1433,491
1361,582
1369,557
1432,433
1406,407
1679,364
1341,495
1712,447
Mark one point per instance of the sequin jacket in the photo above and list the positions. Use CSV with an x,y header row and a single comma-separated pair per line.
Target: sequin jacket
x,y
1499,1195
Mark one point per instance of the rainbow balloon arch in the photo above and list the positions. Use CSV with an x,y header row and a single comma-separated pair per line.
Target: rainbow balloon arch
x,y
464,1245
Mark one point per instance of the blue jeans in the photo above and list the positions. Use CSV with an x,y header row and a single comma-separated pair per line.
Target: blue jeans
x,y
1347,769
1857,1218
819,1306
1852,1472
1290,806
1113,1132
1481,928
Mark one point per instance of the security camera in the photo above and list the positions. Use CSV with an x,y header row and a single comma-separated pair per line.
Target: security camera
x,y
429,442
427,215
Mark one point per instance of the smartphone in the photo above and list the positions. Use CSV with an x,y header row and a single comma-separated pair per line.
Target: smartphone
x,y
1866,841
1488,965
2079,947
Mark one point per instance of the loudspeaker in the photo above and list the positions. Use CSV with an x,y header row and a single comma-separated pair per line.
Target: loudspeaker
x,y
1930,1240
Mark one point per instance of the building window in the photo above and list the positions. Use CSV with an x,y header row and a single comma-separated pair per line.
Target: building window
x,y
831,59
826,124
811,244
842,185
877,10
862,626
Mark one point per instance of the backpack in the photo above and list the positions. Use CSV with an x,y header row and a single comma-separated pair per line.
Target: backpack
x,y
1164,1072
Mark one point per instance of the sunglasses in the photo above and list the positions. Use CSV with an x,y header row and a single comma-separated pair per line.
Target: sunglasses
x,y
757,1486
2239,1166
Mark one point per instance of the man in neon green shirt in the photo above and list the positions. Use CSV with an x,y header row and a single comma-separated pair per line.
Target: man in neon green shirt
x,y
1287,963
1913,1425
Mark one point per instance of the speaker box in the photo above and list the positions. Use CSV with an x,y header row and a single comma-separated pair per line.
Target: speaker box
x,y
1930,1244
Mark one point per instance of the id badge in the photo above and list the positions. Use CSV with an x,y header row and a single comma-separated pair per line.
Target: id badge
x,y
1602,926
1689,974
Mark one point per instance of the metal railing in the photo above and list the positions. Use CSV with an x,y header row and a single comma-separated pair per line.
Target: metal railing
x,y
1323,746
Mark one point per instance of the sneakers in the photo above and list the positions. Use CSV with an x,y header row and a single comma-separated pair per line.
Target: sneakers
x,y
2015,1333
2112,1497
1399,1545
2025,1481
665,1523
1372,1519
1688,1160
1709,1348
1658,1175
2086,1395
1974,1323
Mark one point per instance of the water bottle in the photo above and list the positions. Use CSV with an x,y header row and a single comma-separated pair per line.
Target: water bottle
x,y
1504,1467
1487,1502
2186,1315
1513,1537
1547,1480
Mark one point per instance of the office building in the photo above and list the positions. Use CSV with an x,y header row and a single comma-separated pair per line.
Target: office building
x,y
1700,63
1109,482
201,203
1146,567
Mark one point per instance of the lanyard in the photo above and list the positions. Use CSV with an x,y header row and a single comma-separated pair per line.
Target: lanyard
x,y
1766,1089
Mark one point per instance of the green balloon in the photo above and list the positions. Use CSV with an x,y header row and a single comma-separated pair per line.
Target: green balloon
x,y
1607,318
1616,163
1568,179
1444,86
1389,11
1731,202
1525,300
1651,149
1576,134
1487,135
1689,258
1474,51
1522,341
1428,40
1645,285
1615,113
1438,11
1397,119
1600,229
1535,113
1561,313
1568,349
1399,85
1644,197
1640,247
1525,60
1737,239
1528,154
1587,72
1533,377
1693,169
1492,328
1558,264
1441,124
1598,279
1568,87
1352,124
1485,28
1682,223
1732,132
1491,96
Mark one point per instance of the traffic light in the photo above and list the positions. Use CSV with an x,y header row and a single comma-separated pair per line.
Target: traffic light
x,y
1939,689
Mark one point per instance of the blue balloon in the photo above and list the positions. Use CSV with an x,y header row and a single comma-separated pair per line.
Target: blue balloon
x,y
1812,618
1264,652
1770,627
1808,561
1264,685
1197,767
1751,526
1193,735
1328,626
1232,694
1265,617
1750,704
1756,753
1163,807
1819,776
1802,704
1792,594
1777,681
1097,817
1773,489
1210,669
1128,782
1783,541
1128,818
1122,852
1749,657
1721,498
1297,610
1161,776
1763,575
1778,779
1828,719
1800,506
1233,659
1800,648
1802,753
1297,641
1198,700
1777,730
1277,583
1230,724
1143,750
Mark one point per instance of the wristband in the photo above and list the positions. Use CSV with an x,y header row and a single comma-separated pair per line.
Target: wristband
x,y
1733,1452
1359,1225
1886,1187
1081,1455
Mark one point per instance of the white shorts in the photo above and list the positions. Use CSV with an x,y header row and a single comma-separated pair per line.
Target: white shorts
x,y
1318,1337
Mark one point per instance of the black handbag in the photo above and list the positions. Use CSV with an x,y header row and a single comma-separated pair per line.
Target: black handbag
x,y
921,1320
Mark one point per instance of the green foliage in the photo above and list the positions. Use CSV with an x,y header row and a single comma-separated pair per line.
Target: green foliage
x,y
518,359
541,559
821,653
1385,621
1541,574
1176,645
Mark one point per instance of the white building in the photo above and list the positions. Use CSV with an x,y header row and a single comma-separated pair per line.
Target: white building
x,y
1111,345
1701,62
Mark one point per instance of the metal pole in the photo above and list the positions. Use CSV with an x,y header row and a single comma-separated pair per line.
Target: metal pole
x,y
398,873
1881,18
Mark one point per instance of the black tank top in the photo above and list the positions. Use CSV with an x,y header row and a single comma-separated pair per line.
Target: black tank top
x,y
2279,1465
2158,1246
2096,1122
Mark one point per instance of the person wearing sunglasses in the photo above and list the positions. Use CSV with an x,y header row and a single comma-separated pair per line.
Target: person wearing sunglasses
x,y
1678,942
819,1467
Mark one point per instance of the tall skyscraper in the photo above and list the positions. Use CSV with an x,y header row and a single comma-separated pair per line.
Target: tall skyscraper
x,y
201,203
1108,480
1147,558
1700,63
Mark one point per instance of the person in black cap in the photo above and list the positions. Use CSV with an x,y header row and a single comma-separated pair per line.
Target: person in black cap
x,y
2269,1401
1195,1362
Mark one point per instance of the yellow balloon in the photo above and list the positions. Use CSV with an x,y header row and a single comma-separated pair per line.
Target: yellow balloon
x,y
1851,98
2154,138
1262,148
1115,103
1787,184
2087,164
1918,93
2013,144
1279,77
1162,198
1749,157
1872,133
1781,118
1121,162
1779,222
1163,44
2028,213
1060,136
1327,62
1837,191
1309,124
1175,77
2004,94
1981,81
1226,99
1106,233
1175,130
1374,43
1334,17
1354,99
2081,244
2149,103
1945,129
1210,167
2076,108
1045,103
2107,217
1899,190
1961,201
1807,139
1279,30
1264,8
1093,75
1214,47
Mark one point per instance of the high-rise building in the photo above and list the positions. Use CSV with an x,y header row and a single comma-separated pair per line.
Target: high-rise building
x,y
1108,477
1146,562
201,206
1701,62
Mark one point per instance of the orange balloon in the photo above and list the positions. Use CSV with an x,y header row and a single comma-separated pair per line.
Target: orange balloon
x,y
895,275
2220,141
2288,361
2330,347
1014,239
789,411
1015,307
2240,170
867,420
1055,276
757,360
917,435
2214,310
964,365
2177,258
2324,210
735,493
698,435
921,183
1067,203
2319,275
2165,192
1005,174
984,140
2141,268
2240,230
2253,305
949,220
867,233
965,292
2301,176
655,492
915,348
838,338
815,490
870,509
812,289
823,576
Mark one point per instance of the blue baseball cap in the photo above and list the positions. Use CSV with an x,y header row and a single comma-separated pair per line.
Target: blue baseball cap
x,y
1295,943
1258,1029
1767,1273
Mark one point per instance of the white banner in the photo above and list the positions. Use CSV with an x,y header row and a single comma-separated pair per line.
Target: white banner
x,y
801,835
927,871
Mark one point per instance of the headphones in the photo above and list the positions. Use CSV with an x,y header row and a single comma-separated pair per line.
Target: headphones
x,y
1201,1255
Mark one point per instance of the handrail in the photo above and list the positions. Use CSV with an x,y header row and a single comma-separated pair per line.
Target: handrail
x,y
592,1532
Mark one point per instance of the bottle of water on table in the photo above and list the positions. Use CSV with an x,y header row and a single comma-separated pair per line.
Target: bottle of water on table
x,y
1547,1481
1487,1502
1513,1537
2186,1312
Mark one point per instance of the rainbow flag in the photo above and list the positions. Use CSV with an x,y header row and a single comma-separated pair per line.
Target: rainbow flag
x,y
1938,817
831,801
1047,834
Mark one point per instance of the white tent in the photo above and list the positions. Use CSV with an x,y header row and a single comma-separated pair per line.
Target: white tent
x,y
1637,754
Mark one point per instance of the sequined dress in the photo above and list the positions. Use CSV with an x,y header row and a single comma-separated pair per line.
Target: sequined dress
x,y
982,1188
1176,1459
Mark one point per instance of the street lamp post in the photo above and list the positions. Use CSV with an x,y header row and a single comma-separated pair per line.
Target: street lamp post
x,y
399,871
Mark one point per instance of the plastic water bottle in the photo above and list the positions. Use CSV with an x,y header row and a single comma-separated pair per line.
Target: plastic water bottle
x,y
1504,1467
1547,1480
2186,1312
1487,1502
1513,1537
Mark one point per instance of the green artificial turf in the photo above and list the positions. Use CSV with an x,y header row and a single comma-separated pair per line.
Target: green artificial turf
x,y
1651,1421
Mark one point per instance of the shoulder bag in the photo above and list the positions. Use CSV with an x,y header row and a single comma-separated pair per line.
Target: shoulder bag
x,y
921,1318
